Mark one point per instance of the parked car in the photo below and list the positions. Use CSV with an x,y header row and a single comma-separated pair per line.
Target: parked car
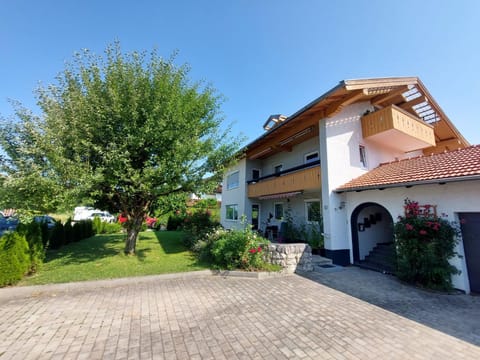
x,y
83,212
122,218
9,223
103,215
45,219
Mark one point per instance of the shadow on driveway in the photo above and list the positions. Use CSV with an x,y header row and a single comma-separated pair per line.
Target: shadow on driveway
x,y
457,315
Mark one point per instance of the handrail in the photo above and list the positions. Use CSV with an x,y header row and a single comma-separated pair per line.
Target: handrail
x,y
286,171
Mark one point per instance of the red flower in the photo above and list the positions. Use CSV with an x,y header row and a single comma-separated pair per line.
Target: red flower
x,y
252,251
422,232
408,227
259,249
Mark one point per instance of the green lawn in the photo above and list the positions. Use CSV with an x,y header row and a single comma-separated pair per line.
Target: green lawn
x,y
102,257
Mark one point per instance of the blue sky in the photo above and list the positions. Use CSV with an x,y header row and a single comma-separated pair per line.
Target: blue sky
x,y
265,56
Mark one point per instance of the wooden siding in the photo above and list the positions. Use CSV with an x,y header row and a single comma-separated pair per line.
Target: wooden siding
x,y
394,118
307,179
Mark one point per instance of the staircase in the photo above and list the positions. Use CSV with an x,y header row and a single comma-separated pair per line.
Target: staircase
x,y
320,262
382,258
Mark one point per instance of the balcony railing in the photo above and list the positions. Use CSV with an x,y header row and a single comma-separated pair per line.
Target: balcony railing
x,y
299,178
398,129
284,172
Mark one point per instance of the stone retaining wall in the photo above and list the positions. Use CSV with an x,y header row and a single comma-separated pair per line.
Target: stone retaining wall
x,y
290,257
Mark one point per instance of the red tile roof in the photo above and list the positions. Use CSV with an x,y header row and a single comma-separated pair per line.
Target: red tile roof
x,y
455,165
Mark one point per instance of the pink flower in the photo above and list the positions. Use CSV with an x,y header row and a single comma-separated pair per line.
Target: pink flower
x,y
422,232
408,227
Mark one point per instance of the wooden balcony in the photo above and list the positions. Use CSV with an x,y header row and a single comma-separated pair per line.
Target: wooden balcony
x,y
397,129
301,180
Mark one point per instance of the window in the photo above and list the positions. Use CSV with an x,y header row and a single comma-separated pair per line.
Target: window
x,y
363,156
311,157
278,210
233,180
232,212
278,169
255,174
312,211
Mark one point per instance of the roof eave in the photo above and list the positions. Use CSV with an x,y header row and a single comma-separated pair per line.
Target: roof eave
x,y
409,183
340,85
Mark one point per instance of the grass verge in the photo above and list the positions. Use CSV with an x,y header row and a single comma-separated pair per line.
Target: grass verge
x,y
102,257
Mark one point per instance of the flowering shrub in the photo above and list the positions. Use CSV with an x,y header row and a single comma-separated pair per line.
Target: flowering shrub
x,y
424,244
233,249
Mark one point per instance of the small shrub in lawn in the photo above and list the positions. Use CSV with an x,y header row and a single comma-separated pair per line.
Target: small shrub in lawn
x,y
57,238
98,225
33,234
14,258
111,228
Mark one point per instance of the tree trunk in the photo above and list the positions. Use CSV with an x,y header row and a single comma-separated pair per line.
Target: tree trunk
x,y
134,226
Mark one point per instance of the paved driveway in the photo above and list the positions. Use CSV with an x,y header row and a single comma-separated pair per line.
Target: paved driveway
x,y
206,317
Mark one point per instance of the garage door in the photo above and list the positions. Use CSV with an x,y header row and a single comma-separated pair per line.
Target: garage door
x,y
470,226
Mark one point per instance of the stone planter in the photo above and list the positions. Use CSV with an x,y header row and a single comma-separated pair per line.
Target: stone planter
x,y
290,257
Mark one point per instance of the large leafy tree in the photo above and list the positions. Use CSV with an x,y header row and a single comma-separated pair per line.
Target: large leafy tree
x,y
126,130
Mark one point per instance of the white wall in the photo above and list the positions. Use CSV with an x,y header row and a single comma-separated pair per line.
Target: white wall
x,y
234,196
450,198
340,138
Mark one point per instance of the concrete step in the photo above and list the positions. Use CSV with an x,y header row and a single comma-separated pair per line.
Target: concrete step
x,y
318,260
382,258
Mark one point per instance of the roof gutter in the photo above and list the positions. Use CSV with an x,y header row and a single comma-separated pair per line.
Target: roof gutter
x,y
410,184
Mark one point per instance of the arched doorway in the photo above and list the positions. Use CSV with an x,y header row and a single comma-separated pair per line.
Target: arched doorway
x,y
372,237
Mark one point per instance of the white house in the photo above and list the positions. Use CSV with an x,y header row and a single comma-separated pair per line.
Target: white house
x,y
357,152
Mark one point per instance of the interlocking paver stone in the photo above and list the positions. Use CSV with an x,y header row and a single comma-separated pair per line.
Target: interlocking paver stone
x,y
205,317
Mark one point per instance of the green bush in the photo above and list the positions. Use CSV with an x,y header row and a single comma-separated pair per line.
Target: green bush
x,y
424,245
33,234
175,222
68,228
45,231
106,228
98,225
57,238
237,249
83,229
197,225
14,258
